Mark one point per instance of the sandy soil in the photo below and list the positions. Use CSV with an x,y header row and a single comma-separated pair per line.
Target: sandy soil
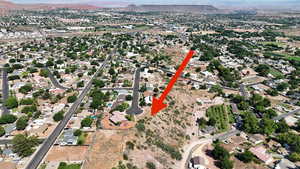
x,y
107,149
67,153
7,165
240,165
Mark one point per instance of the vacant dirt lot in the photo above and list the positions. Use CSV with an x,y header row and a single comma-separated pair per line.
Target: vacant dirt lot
x,y
7,165
107,149
67,153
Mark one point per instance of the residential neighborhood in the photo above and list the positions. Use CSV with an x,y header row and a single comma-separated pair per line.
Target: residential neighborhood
x,y
80,85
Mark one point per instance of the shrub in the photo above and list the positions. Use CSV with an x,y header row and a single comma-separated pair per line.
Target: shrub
x,y
11,103
58,116
150,165
77,132
2,131
7,118
22,123
72,99
87,122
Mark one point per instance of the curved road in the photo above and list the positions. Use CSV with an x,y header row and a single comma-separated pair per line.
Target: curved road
x,y
54,80
45,147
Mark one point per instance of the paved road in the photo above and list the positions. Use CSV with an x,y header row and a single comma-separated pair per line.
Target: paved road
x,y
135,109
5,91
117,88
284,115
194,145
41,153
54,80
243,91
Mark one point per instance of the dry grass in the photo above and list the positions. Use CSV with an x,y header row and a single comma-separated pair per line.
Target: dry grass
x,y
107,149
67,153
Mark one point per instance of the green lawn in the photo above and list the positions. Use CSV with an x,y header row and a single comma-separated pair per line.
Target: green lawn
x,y
275,72
220,114
280,44
70,166
293,58
43,166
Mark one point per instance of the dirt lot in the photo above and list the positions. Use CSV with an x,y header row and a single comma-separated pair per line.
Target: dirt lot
x,y
175,127
240,165
7,165
107,149
67,153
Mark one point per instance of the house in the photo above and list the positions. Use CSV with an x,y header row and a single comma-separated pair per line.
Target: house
x,y
208,130
256,138
261,153
8,153
58,107
148,100
67,138
9,128
234,108
56,91
285,164
197,163
118,117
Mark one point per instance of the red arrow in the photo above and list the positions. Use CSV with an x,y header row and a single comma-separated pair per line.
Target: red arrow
x,y
157,104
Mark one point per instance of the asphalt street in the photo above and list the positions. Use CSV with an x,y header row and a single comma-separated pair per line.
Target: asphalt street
x,y
45,147
135,109
54,80
5,91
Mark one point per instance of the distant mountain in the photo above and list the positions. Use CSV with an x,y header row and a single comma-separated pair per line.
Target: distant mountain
x,y
172,8
14,6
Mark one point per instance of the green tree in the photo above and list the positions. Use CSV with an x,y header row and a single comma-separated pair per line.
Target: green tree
x,y
77,132
128,97
268,126
112,71
282,127
72,99
87,122
11,103
295,157
201,122
24,145
226,164
220,153
263,69
246,156
58,116
251,124
7,118
44,73
282,86
25,89
150,165
2,131
22,123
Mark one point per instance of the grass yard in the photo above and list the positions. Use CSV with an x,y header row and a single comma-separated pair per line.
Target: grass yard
x,y
275,73
220,115
280,44
293,58
69,166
